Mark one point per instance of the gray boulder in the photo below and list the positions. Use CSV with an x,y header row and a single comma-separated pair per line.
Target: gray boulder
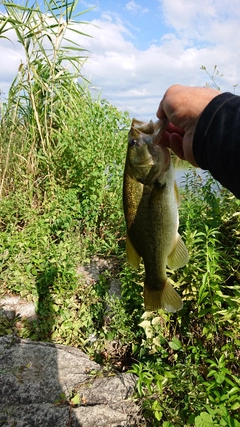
x,y
38,381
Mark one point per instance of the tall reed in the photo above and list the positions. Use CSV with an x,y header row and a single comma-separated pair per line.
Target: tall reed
x,y
44,87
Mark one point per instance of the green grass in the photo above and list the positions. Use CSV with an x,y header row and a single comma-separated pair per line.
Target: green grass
x,y
62,159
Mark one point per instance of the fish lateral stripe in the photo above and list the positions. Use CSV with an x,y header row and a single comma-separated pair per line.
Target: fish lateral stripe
x,y
176,192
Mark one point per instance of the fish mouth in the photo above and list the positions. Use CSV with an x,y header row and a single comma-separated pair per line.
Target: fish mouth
x,y
145,153
150,158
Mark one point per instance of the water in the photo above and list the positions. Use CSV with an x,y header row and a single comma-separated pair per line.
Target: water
x,y
180,174
200,175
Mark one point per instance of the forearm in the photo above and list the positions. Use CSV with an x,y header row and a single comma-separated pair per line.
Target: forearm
x,y
216,142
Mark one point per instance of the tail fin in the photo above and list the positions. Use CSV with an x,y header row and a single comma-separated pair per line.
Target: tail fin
x,y
165,297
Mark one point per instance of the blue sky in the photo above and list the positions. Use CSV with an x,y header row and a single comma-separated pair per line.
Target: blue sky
x,y
143,19
139,48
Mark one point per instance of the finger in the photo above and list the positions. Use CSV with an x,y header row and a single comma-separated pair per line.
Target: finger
x,y
171,129
175,143
175,129
164,141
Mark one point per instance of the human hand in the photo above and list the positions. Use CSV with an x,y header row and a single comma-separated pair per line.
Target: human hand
x,y
183,105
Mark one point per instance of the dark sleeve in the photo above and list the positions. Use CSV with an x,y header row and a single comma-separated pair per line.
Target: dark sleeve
x,y
216,142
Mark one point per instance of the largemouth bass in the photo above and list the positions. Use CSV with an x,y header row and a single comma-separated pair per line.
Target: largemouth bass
x,y
151,200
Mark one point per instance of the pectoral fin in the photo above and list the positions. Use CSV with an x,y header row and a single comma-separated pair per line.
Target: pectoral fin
x,y
179,255
132,256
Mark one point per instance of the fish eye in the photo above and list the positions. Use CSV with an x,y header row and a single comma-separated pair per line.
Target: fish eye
x,y
132,142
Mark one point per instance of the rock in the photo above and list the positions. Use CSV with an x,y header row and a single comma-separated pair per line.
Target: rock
x,y
38,381
7,313
8,306
115,288
12,306
9,300
90,272
26,311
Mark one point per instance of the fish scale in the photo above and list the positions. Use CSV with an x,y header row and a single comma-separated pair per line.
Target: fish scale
x,y
150,201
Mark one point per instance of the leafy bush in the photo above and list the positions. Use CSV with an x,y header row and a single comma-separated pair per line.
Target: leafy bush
x,y
188,371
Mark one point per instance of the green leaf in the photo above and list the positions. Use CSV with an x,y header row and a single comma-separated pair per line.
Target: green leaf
x,y
204,420
175,344
158,415
75,400
220,377
234,407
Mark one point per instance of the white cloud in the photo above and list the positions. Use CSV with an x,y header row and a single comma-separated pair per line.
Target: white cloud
x,y
134,7
204,32
208,21
136,80
11,56
107,35
182,15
